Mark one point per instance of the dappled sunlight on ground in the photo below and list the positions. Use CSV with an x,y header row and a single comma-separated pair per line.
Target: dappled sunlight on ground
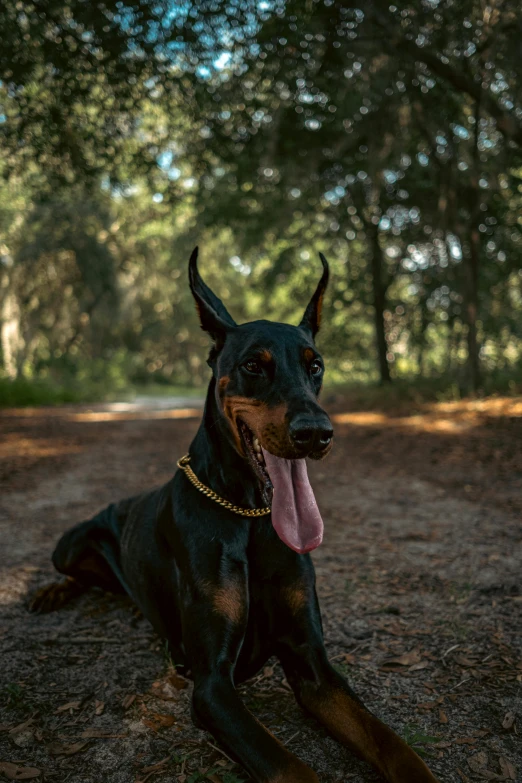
x,y
446,417
15,583
12,445
176,413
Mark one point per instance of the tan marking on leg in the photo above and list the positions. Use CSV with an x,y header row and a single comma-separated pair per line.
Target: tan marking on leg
x,y
297,773
52,597
351,724
229,601
295,770
295,597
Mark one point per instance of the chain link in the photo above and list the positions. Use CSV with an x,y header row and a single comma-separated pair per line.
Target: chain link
x,y
183,465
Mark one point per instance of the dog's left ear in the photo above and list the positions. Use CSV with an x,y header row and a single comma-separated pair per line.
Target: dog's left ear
x,y
311,320
213,314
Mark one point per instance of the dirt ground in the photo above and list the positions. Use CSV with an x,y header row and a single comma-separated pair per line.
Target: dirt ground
x,y
419,579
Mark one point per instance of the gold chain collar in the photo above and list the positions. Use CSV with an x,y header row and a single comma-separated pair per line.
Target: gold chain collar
x,y
183,465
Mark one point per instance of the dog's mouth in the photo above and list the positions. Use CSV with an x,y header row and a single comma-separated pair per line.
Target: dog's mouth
x,y
286,488
256,460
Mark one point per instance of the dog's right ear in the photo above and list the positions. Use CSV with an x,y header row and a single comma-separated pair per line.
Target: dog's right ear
x,y
212,312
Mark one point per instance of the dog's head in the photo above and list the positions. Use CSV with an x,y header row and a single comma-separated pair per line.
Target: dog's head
x,y
268,378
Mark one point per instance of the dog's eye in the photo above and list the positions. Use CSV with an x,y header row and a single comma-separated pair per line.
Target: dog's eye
x,y
316,367
254,368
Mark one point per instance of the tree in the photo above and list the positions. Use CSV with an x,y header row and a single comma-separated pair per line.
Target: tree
x,y
321,95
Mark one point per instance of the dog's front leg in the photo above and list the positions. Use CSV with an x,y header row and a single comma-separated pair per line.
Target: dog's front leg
x,y
214,625
328,697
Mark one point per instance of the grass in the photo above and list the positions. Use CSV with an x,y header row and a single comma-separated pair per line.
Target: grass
x,y
415,737
163,390
24,392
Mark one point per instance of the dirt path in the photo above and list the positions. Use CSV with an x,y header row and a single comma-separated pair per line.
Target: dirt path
x,y
419,578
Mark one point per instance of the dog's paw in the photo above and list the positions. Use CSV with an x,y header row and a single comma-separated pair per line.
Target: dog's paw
x,y
52,597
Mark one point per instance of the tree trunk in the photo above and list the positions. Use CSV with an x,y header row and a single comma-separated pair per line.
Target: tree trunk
x,y
379,305
472,260
11,336
472,264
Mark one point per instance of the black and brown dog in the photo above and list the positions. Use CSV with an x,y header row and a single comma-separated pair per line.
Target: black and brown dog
x,y
226,586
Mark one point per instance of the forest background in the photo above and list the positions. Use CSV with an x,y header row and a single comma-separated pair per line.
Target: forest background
x,y
387,136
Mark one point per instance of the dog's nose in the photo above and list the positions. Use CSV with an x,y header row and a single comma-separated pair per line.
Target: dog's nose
x,y
309,434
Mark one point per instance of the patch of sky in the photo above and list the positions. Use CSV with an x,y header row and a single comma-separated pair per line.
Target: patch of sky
x,y
242,268
460,131
203,71
222,61
455,249
165,159
390,176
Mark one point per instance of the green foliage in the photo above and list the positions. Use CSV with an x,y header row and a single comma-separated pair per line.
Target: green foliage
x,y
415,737
387,137
21,391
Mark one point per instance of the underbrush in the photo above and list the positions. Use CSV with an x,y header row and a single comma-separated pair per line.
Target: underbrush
x,y
412,393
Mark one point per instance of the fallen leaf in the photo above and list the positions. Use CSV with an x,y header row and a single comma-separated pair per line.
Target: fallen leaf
x,y
157,721
176,680
154,767
477,764
430,705
16,772
63,749
418,666
21,727
509,720
162,689
101,734
508,770
463,661
99,707
128,700
71,705
443,718
407,659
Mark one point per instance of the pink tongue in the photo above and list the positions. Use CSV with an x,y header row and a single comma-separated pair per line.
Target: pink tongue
x,y
295,515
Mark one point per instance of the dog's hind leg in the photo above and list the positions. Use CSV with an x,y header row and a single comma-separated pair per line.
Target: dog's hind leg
x,y
88,556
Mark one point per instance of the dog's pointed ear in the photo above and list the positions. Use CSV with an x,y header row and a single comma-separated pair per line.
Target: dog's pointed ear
x,y
213,314
311,320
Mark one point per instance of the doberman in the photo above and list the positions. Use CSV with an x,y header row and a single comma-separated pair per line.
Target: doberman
x,y
217,559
